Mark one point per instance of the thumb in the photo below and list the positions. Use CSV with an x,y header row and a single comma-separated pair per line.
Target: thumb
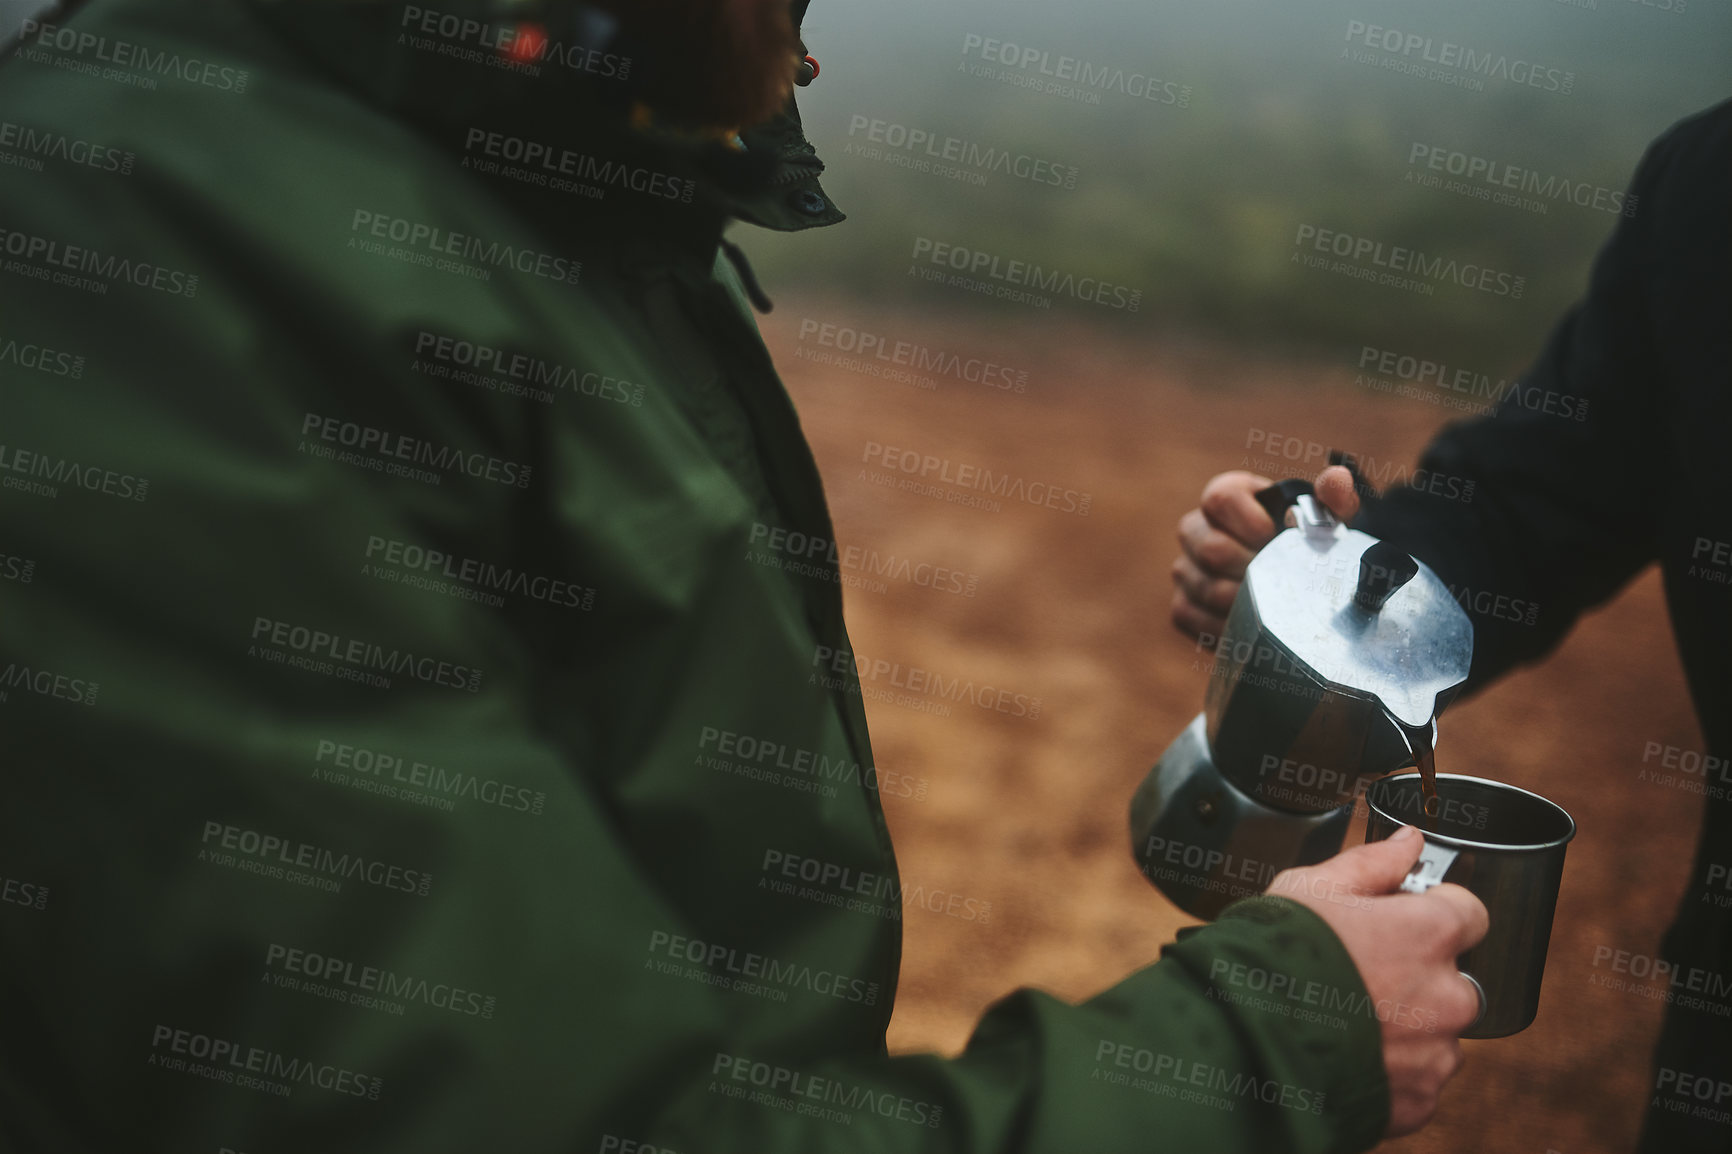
x,y
1378,867
1334,487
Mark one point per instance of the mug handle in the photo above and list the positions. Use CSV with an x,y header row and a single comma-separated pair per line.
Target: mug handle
x,y
1434,861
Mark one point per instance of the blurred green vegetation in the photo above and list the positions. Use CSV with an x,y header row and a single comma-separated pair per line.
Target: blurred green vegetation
x,y
1198,207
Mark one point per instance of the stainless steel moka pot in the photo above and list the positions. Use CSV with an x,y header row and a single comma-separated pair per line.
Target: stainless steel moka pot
x,y
1338,655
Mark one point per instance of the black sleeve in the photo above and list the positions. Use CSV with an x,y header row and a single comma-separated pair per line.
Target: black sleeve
x,y
1547,506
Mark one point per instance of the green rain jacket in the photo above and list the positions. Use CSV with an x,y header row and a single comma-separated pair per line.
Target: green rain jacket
x,y
405,727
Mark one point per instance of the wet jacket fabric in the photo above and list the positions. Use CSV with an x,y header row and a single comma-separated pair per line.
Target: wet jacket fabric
x,y
410,740
1610,457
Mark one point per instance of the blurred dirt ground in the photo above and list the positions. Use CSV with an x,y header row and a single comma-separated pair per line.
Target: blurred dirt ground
x,y
1029,815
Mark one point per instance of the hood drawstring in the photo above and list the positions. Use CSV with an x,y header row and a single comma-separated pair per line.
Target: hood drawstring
x,y
748,278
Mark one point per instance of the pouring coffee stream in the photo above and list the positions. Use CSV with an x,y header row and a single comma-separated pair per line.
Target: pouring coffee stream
x,y
1425,760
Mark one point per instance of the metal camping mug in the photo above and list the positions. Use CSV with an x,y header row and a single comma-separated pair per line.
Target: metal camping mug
x,y
1506,847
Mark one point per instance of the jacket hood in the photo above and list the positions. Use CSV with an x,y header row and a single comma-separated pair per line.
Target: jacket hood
x,y
522,82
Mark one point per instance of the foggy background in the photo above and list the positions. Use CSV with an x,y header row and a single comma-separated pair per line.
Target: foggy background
x,y
1198,205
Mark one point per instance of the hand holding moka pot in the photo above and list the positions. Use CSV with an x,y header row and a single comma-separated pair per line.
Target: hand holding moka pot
x,y
1338,655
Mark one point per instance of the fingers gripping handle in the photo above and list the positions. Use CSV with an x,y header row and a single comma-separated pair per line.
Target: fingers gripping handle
x,y
1434,861
1313,517
1282,496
